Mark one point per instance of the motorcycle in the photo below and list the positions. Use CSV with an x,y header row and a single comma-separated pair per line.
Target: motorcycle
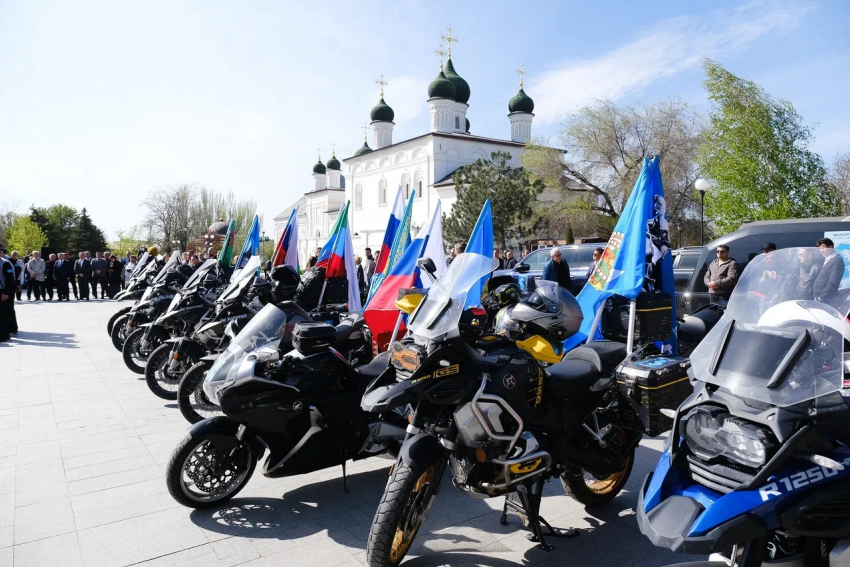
x,y
497,418
301,405
140,283
134,290
190,306
756,469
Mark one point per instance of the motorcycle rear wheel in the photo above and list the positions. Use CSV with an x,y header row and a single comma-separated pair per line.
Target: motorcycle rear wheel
x,y
399,516
592,491
118,334
195,481
133,357
158,375
115,317
191,399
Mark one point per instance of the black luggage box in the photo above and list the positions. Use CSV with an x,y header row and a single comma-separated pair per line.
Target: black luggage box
x,y
336,291
310,338
653,321
656,383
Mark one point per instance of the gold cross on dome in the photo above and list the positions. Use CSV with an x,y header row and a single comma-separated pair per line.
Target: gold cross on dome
x,y
521,72
333,148
365,128
440,52
319,150
449,39
383,83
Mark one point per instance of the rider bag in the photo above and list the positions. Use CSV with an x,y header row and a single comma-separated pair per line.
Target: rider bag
x,y
656,383
653,318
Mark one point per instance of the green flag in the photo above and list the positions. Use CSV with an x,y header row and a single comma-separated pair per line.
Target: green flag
x,y
226,254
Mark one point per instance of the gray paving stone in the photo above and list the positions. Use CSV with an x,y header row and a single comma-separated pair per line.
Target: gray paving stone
x,y
59,551
47,519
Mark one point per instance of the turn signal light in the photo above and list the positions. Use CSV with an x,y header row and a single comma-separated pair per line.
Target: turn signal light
x,y
481,455
176,356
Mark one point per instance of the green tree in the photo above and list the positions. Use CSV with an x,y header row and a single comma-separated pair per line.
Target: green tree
x,y
25,235
85,235
129,240
8,215
510,190
756,152
57,222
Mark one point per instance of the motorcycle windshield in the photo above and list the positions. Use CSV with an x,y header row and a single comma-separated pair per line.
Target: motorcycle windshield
x,y
267,326
241,279
169,267
775,344
441,309
141,264
198,277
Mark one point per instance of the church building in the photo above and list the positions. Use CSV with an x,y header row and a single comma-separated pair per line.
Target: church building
x,y
423,165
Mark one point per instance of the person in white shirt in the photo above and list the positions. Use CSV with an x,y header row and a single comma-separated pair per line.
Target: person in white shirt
x,y
128,271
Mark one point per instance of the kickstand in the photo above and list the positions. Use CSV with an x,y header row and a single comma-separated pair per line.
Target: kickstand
x,y
344,480
525,502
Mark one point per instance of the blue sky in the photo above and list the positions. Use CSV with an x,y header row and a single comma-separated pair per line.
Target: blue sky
x,y
102,101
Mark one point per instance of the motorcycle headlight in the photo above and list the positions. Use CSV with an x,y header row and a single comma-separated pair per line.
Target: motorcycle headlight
x,y
711,434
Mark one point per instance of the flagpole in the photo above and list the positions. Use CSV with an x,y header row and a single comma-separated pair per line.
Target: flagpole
x,y
395,330
596,320
322,295
630,340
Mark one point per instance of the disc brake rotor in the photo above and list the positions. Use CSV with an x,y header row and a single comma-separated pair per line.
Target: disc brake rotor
x,y
206,476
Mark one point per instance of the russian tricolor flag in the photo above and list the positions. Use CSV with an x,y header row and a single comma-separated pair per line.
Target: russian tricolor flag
x,y
382,314
337,257
389,235
286,251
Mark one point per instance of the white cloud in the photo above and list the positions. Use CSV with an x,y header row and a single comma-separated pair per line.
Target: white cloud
x,y
670,47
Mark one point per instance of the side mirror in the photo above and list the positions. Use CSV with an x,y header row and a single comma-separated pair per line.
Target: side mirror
x,y
522,268
427,264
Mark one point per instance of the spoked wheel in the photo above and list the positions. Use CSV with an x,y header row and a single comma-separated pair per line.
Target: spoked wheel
x,y
191,399
118,334
158,374
112,319
594,491
399,516
199,477
135,357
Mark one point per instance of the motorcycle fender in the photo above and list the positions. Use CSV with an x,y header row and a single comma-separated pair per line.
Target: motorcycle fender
x,y
421,450
174,340
220,431
211,357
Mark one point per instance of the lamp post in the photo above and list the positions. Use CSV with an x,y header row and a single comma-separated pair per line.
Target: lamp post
x,y
702,186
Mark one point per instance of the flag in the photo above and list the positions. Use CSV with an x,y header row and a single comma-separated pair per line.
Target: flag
x,y
389,235
251,246
399,245
381,312
480,242
639,237
660,266
337,257
286,250
226,254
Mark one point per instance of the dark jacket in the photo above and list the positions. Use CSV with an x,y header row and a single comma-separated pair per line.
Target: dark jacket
x,y
825,286
807,280
114,269
558,272
510,263
48,270
7,271
99,264
82,268
62,270
725,275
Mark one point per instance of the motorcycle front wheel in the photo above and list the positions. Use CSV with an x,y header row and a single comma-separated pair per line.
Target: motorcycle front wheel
x,y
195,480
593,491
119,332
134,357
115,317
191,399
399,516
158,375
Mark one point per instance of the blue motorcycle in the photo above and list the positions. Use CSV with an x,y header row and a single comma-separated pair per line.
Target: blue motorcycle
x,y
756,470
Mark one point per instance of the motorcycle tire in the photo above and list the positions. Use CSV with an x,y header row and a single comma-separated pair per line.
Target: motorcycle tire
x,y
157,375
130,352
592,491
190,480
191,399
399,515
310,289
118,333
115,317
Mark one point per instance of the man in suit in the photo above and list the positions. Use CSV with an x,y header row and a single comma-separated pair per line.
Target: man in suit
x,y
8,284
98,275
49,280
82,269
62,273
825,286
597,255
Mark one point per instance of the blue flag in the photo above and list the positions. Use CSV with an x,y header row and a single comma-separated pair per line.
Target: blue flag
x,y
480,242
251,246
636,257
401,241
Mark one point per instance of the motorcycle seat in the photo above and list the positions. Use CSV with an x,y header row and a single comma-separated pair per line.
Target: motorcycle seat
x,y
604,356
374,369
571,379
347,326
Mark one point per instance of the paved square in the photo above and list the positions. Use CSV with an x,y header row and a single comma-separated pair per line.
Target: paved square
x,y
82,460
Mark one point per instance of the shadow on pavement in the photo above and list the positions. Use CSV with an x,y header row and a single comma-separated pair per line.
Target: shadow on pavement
x,y
61,340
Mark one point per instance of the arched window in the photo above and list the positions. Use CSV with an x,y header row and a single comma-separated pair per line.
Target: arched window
x,y
382,192
358,197
405,184
417,183
457,122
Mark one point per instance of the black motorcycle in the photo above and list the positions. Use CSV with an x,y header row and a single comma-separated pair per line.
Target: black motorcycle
x,y
499,420
117,325
303,406
134,290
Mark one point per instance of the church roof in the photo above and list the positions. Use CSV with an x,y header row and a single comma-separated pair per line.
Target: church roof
x,y
448,180
461,86
319,167
333,163
451,135
442,87
521,103
382,112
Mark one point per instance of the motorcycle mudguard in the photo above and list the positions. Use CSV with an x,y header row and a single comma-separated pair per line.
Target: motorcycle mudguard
x,y
211,357
421,450
220,431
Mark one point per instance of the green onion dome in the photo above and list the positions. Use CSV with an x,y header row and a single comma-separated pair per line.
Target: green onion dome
x,y
333,163
319,167
442,87
382,112
364,149
461,86
521,103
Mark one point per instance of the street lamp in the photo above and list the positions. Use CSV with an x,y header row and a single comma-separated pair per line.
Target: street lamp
x,y
702,186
